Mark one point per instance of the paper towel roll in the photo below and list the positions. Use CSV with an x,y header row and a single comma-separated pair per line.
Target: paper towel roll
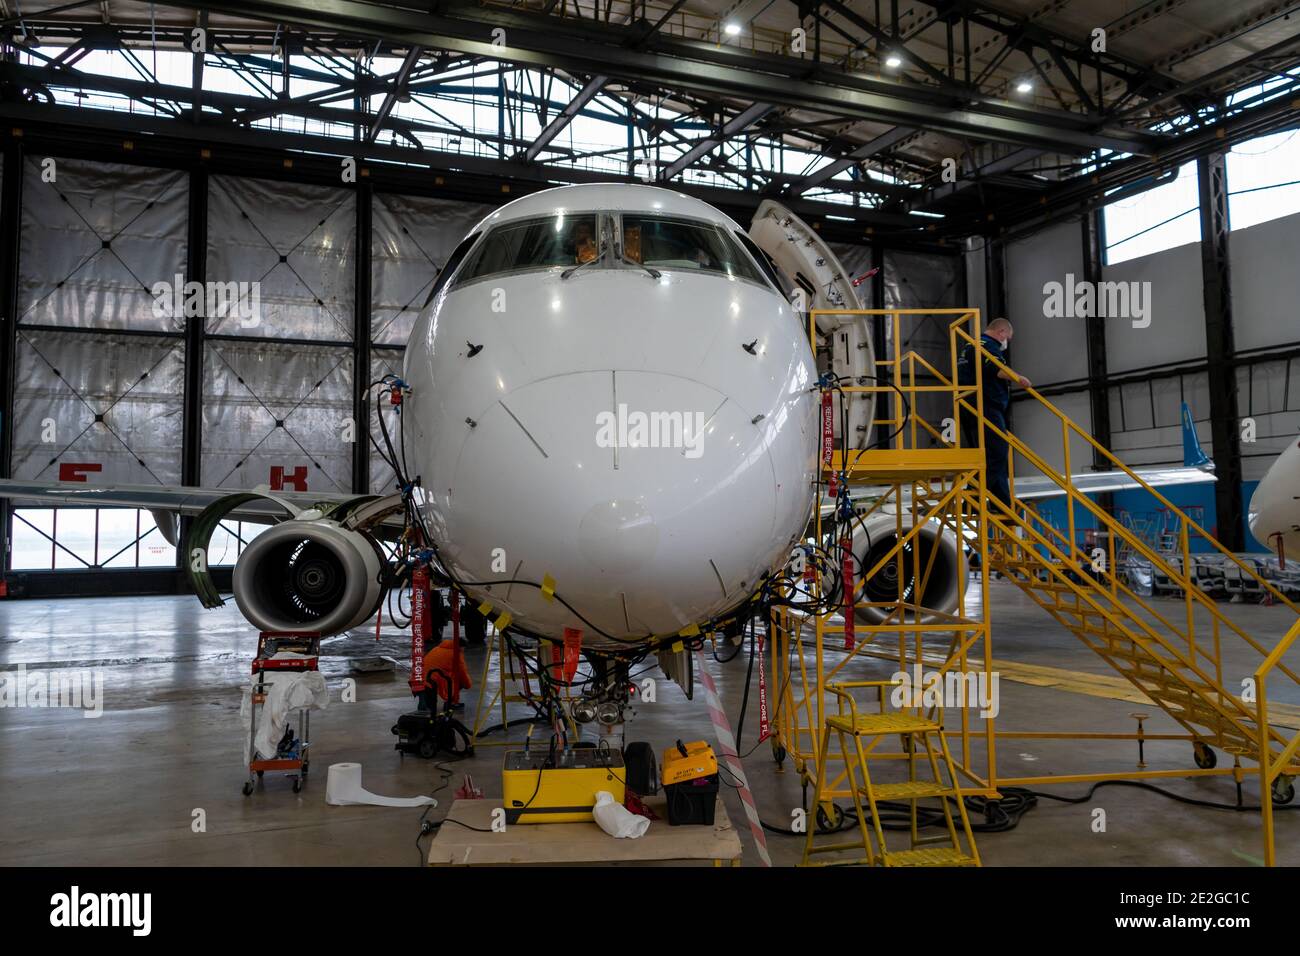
x,y
343,789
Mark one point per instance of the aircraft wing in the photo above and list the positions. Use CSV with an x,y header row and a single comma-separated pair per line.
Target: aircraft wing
x,y
1096,482
1090,482
166,498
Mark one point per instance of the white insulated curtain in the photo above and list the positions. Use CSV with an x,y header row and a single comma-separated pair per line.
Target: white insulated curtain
x,y
91,399
278,411
411,238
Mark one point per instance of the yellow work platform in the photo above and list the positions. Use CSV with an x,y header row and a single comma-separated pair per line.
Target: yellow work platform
x,y
903,464
891,723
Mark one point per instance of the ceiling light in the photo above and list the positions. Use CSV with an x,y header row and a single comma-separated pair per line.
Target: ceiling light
x,y
893,61
732,29
1024,86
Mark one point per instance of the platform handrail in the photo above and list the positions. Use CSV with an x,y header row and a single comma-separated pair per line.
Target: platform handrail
x,y
1075,429
1270,769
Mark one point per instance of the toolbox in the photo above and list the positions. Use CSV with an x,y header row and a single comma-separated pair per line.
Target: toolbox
x,y
691,783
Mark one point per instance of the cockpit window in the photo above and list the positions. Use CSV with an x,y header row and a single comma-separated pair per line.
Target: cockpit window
x,y
563,241
667,243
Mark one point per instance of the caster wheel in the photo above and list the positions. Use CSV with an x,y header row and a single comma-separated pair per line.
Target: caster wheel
x,y
779,754
248,788
825,824
1205,757
428,748
1283,791
297,784
259,774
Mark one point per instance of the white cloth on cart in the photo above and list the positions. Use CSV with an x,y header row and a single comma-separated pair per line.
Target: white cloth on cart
x,y
287,691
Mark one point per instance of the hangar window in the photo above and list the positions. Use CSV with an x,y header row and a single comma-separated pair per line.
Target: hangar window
x,y
45,539
1262,179
1154,220
556,241
681,244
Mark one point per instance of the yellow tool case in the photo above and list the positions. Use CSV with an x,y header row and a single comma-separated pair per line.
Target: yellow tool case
x,y
539,789
691,783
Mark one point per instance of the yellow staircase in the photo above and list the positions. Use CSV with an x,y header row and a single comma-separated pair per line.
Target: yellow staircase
x,y
1175,657
920,736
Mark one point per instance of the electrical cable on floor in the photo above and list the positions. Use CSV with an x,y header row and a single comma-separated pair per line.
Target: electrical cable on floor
x,y
1005,814
1138,784
425,827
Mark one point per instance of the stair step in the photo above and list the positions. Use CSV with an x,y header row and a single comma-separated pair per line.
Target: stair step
x,y
929,856
865,724
910,790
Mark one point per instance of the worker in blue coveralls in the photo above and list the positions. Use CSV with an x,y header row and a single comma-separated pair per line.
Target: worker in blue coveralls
x,y
997,399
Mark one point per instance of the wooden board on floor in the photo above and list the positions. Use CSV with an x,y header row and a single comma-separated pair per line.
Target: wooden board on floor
x,y
576,843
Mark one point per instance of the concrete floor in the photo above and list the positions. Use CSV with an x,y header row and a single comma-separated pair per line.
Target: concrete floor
x,y
127,787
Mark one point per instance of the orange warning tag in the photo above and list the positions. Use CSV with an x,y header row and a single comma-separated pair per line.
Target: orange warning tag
x,y
571,652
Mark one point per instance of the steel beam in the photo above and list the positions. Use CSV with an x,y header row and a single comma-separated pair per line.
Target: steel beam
x,y
196,270
361,339
1220,349
196,80
737,124
565,116
390,99
1092,228
66,129
1003,164
592,48
886,140
11,212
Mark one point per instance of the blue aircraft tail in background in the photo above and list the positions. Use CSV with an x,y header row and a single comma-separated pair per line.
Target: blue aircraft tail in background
x,y
1194,455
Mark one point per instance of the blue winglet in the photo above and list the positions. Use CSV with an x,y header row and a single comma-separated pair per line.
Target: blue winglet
x,y
1194,455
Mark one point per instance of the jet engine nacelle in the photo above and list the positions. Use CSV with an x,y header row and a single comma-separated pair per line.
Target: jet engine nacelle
x,y
875,536
309,576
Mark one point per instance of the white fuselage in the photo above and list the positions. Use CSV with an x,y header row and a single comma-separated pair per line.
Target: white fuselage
x,y
584,463
1275,506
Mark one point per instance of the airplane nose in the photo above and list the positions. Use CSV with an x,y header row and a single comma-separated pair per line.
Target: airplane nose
x,y
618,536
649,498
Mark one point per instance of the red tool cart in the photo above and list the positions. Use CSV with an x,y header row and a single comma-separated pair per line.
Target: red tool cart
x,y
270,643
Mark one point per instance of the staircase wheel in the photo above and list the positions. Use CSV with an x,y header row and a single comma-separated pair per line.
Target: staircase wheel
x,y
824,823
778,753
1205,757
1283,790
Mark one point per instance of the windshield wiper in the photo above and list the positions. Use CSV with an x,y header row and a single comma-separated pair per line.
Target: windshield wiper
x,y
654,273
598,257
624,258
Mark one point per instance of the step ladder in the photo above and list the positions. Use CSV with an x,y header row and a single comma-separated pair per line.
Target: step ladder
x,y
923,743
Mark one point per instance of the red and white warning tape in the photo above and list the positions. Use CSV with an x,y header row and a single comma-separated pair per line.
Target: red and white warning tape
x,y
727,743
